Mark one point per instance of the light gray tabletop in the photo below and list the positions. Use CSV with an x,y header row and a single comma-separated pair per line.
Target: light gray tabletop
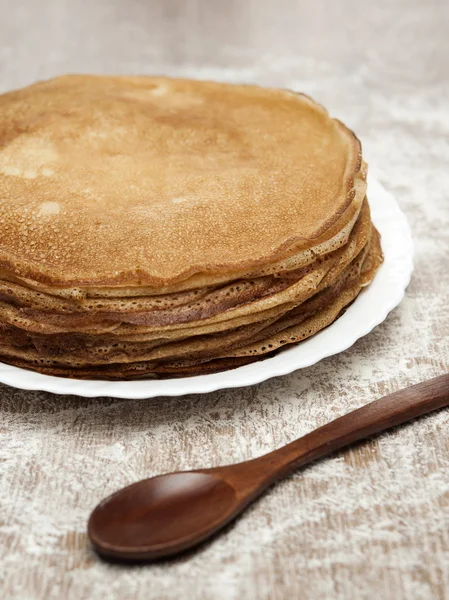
x,y
372,522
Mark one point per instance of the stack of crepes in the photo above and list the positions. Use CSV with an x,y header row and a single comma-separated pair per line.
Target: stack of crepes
x,y
154,227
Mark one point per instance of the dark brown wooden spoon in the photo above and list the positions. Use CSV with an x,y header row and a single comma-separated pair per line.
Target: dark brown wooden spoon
x,y
164,515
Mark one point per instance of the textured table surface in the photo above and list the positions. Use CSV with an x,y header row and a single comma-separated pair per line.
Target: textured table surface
x,y
371,522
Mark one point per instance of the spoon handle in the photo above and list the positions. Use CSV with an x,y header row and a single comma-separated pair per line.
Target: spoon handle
x,y
373,418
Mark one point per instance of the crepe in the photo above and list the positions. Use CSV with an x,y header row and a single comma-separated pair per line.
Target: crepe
x,y
160,227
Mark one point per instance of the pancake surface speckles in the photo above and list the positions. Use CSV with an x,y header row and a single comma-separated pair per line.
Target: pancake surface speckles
x,y
177,168
154,227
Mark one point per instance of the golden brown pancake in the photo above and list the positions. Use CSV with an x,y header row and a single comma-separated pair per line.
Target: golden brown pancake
x,y
129,181
154,227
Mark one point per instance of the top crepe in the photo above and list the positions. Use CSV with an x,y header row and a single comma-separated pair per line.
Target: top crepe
x,y
125,182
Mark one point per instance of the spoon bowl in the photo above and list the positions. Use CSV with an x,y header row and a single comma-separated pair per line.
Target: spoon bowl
x,y
162,515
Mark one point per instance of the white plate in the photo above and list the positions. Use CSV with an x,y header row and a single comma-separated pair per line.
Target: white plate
x,y
370,309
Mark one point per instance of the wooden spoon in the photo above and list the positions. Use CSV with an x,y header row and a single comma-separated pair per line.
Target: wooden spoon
x,y
164,515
